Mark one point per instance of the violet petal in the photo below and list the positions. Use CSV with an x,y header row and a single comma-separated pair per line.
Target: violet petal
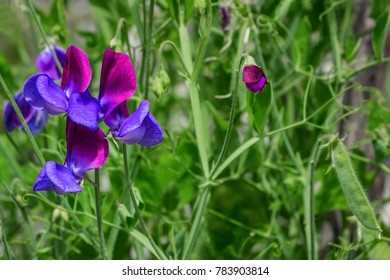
x,y
114,119
54,176
47,64
254,78
42,93
117,80
38,121
11,119
255,87
153,133
131,130
84,109
86,149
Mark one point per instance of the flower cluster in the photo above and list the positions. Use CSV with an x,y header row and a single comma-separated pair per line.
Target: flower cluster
x,y
35,119
87,147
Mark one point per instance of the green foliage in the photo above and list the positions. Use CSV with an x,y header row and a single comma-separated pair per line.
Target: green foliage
x,y
238,175
380,32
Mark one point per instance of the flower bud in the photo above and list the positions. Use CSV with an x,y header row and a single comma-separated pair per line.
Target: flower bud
x,y
225,13
254,78
161,83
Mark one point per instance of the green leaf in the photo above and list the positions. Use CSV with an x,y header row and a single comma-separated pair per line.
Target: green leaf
x,y
189,9
379,33
174,9
258,107
352,48
377,249
144,240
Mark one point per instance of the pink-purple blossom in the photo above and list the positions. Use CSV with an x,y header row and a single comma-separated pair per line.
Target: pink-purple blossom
x,y
254,78
85,150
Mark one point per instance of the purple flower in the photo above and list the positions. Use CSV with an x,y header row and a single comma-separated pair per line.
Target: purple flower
x,y
117,84
139,128
254,78
85,150
47,64
43,94
35,119
225,12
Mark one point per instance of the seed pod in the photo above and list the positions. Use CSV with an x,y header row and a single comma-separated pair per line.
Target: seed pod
x,y
353,190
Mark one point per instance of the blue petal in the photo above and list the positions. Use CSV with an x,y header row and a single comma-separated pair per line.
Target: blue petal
x,y
46,62
84,109
38,122
132,136
132,130
153,133
54,176
42,93
8,118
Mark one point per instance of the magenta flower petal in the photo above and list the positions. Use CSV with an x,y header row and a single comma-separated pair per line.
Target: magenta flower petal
x,y
42,93
114,119
77,71
153,133
256,87
46,62
117,80
86,149
254,78
84,109
54,176
140,128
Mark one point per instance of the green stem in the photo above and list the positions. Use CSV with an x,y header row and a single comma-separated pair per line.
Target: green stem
x,y
234,155
26,223
231,118
147,42
40,27
3,238
199,126
365,67
145,230
332,24
194,233
199,61
24,124
172,44
76,220
185,47
148,47
99,215
312,235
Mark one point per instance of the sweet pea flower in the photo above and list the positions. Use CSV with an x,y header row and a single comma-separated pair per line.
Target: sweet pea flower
x,y
139,128
36,120
254,78
225,13
85,150
117,83
47,64
43,94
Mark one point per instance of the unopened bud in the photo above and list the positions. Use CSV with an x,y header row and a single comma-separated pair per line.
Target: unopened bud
x,y
161,83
